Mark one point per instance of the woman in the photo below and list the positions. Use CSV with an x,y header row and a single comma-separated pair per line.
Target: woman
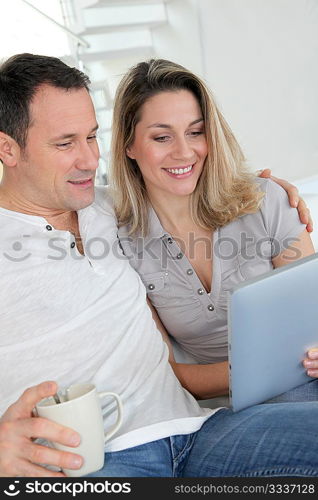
x,y
191,216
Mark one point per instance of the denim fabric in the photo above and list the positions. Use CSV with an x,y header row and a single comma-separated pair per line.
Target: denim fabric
x,y
305,392
264,440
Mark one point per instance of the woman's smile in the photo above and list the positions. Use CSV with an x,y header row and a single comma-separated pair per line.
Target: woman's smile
x,y
179,172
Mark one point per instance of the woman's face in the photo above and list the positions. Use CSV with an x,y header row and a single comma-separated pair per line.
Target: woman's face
x,y
170,144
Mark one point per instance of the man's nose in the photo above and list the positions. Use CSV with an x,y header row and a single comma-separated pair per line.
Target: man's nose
x,y
88,157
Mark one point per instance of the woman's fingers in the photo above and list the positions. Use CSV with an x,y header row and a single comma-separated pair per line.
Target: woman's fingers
x,y
311,363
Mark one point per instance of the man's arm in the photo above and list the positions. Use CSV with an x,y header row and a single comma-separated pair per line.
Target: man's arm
x,y
294,199
20,456
203,381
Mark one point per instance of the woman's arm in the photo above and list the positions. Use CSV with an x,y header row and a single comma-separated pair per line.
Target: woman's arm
x,y
302,247
203,381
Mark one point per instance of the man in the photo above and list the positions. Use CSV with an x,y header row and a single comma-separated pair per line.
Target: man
x,y
74,310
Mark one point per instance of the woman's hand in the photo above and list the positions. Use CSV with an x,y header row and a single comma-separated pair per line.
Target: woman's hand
x,y
311,363
294,199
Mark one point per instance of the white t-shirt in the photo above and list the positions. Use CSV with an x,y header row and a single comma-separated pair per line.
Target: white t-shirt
x,y
74,318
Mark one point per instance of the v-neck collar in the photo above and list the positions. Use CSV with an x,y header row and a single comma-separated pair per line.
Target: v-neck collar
x,y
157,231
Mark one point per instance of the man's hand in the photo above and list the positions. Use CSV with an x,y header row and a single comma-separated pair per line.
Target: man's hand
x,y
20,456
311,363
294,199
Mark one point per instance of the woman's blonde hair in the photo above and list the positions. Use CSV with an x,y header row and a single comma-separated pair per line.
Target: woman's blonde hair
x,y
225,189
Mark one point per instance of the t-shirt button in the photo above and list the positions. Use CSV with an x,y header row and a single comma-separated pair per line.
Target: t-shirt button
x,y
200,291
189,272
73,244
151,286
211,307
49,228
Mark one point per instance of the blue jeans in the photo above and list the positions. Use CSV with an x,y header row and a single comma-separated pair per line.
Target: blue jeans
x,y
264,440
305,392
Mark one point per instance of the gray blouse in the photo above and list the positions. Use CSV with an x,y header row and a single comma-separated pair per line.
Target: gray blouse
x,y
241,250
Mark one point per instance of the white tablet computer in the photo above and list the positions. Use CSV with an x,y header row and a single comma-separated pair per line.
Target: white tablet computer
x,y
273,321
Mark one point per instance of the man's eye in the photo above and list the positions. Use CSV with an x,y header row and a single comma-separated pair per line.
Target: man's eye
x,y
64,145
92,137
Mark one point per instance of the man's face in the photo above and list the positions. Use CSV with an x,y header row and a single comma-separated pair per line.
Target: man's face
x,y
57,168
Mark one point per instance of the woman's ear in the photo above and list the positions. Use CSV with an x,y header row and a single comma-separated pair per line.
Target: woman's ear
x,y
130,153
9,150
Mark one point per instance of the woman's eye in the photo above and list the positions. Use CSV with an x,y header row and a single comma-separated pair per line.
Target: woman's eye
x,y
162,138
195,133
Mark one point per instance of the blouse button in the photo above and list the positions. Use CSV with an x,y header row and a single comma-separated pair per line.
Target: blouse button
x,y
189,272
49,228
170,240
180,255
200,291
151,286
211,307
73,244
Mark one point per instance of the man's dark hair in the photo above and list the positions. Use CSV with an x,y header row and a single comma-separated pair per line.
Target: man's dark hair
x,y
20,78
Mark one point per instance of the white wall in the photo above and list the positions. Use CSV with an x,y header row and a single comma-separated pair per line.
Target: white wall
x,y
260,59
23,29
180,39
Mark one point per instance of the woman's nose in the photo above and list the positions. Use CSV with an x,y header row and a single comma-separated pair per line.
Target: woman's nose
x,y
182,150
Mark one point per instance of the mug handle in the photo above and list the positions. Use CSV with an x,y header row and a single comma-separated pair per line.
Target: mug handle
x,y
119,420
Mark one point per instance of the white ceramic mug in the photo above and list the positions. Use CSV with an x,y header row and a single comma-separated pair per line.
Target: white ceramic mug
x,y
81,410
